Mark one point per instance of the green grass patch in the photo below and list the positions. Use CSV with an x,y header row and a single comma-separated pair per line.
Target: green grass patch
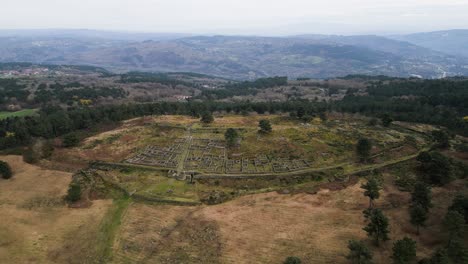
x,y
109,227
22,113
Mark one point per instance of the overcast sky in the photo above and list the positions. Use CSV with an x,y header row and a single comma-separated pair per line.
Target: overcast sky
x,y
267,17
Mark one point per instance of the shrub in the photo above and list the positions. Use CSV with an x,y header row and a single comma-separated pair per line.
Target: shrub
x,y
5,170
359,253
74,193
404,251
363,148
292,260
231,136
70,140
265,126
207,118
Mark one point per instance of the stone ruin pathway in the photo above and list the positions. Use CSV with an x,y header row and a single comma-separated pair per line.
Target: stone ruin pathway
x,y
181,162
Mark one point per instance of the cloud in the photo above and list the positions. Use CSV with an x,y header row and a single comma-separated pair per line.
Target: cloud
x,y
243,15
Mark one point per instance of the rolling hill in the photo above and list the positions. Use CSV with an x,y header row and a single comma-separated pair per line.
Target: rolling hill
x,y
236,57
453,42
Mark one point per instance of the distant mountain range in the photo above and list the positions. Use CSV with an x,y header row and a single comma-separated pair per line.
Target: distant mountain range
x,y
241,57
453,42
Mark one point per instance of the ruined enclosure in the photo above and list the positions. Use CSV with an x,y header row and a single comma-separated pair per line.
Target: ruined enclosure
x,y
209,156
167,157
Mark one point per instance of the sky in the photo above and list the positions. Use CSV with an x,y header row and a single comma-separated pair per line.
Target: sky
x,y
249,17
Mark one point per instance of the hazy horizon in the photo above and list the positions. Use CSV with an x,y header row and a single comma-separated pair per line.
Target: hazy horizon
x,y
262,17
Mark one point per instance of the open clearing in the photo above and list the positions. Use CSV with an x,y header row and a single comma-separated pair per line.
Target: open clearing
x,y
21,113
36,225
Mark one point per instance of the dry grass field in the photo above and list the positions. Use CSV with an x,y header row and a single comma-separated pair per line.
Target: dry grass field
x,y
36,225
268,227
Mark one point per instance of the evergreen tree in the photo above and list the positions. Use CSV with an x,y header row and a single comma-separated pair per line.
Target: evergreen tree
x,y
455,224
70,140
363,148
207,118
460,204
418,216
74,193
5,170
292,260
372,190
441,138
300,112
435,168
231,136
404,251
377,227
359,253
386,120
421,195
440,257
265,126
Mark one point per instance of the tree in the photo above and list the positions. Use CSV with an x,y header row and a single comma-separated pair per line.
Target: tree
x,y
207,118
404,251
70,140
292,260
359,253
323,116
377,227
231,136
454,222
5,170
435,168
418,216
74,193
441,138
265,126
300,112
439,257
460,204
421,195
363,148
372,190
386,120
373,122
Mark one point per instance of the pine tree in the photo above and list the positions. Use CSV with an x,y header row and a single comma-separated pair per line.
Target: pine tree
x,y
418,216
359,253
421,195
363,148
404,251
207,118
377,227
5,170
231,136
265,126
372,190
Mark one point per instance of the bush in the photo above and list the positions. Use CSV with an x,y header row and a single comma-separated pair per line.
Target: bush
x,y
404,251
292,260
29,156
39,149
363,149
435,168
359,253
207,118
70,140
5,170
265,126
74,193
